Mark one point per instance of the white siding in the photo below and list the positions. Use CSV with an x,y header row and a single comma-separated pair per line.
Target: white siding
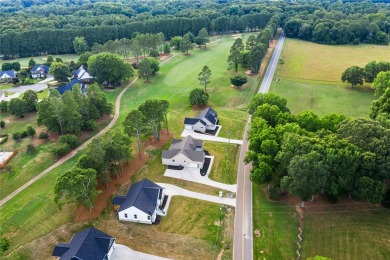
x,y
199,127
111,250
142,217
189,127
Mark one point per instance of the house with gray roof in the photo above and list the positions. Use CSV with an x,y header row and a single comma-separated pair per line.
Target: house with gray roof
x,y
39,71
141,203
89,244
206,120
188,152
82,75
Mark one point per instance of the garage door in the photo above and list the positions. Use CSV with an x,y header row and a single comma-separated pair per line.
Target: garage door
x,y
193,165
189,127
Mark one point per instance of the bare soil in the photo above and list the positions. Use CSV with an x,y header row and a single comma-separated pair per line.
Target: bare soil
x,y
129,169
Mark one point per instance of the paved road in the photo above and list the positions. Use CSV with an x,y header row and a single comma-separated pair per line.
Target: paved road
x,y
36,87
74,152
269,74
243,224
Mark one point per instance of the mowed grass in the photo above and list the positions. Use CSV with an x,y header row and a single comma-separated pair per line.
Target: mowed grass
x,y
278,226
347,235
42,59
32,213
324,99
325,63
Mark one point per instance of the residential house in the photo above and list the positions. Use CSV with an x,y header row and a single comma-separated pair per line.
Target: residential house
x,y
2,95
7,75
69,86
188,152
83,75
206,120
39,71
141,203
89,244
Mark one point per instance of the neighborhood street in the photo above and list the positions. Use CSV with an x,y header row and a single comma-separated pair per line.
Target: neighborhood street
x,y
21,89
243,224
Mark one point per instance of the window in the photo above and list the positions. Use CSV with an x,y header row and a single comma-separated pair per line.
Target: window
x,y
173,160
135,216
125,215
148,217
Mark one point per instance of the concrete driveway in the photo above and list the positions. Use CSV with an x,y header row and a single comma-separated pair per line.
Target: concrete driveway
x,y
193,174
172,190
36,87
209,137
122,252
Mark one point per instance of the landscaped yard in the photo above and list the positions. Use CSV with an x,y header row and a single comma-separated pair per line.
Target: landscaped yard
x,y
174,82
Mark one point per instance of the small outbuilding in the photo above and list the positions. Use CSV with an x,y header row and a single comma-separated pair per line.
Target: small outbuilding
x,y
142,203
89,244
206,120
188,152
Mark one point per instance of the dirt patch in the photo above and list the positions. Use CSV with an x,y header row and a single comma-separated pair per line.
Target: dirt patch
x,y
164,57
198,107
129,169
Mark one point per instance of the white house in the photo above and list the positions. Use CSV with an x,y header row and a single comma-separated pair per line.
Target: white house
x,y
206,120
83,75
141,203
188,152
89,244
39,71
2,95
7,75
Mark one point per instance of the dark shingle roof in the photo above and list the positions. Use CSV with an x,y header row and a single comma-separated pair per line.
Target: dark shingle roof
x,y
187,146
68,86
89,244
40,68
209,114
10,73
142,195
191,121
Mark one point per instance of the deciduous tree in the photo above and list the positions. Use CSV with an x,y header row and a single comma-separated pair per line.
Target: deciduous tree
x,y
60,71
204,76
80,45
353,75
198,97
135,125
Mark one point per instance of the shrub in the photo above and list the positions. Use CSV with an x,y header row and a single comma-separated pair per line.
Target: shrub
x,y
2,124
274,192
154,53
43,135
4,106
4,244
30,148
167,48
90,125
61,149
16,136
238,80
70,140
198,97
30,130
5,139
23,134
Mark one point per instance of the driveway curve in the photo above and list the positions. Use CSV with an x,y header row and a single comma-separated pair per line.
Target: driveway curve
x,y
74,152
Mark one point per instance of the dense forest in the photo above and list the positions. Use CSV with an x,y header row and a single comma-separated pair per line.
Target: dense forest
x,y
31,27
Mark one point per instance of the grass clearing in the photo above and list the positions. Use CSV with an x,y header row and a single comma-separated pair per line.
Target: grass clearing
x,y
325,63
278,226
324,99
42,59
347,235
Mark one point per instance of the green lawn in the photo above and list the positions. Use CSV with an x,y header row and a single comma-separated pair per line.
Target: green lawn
x,y
347,235
324,99
32,213
42,59
307,61
278,226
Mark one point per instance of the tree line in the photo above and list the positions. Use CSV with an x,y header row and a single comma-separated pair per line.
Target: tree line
x,y
356,75
305,155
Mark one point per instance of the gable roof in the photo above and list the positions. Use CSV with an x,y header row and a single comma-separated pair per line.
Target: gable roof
x,y
10,73
68,86
187,147
209,114
82,73
142,195
89,244
40,69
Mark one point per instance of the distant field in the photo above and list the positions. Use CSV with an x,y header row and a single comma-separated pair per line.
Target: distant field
x,y
42,59
324,99
347,235
325,63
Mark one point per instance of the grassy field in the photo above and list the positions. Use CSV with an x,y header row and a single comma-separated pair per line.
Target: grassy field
x,y
307,61
278,226
346,235
36,202
324,99
42,59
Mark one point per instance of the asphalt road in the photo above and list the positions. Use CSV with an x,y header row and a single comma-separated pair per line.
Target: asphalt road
x,y
243,224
